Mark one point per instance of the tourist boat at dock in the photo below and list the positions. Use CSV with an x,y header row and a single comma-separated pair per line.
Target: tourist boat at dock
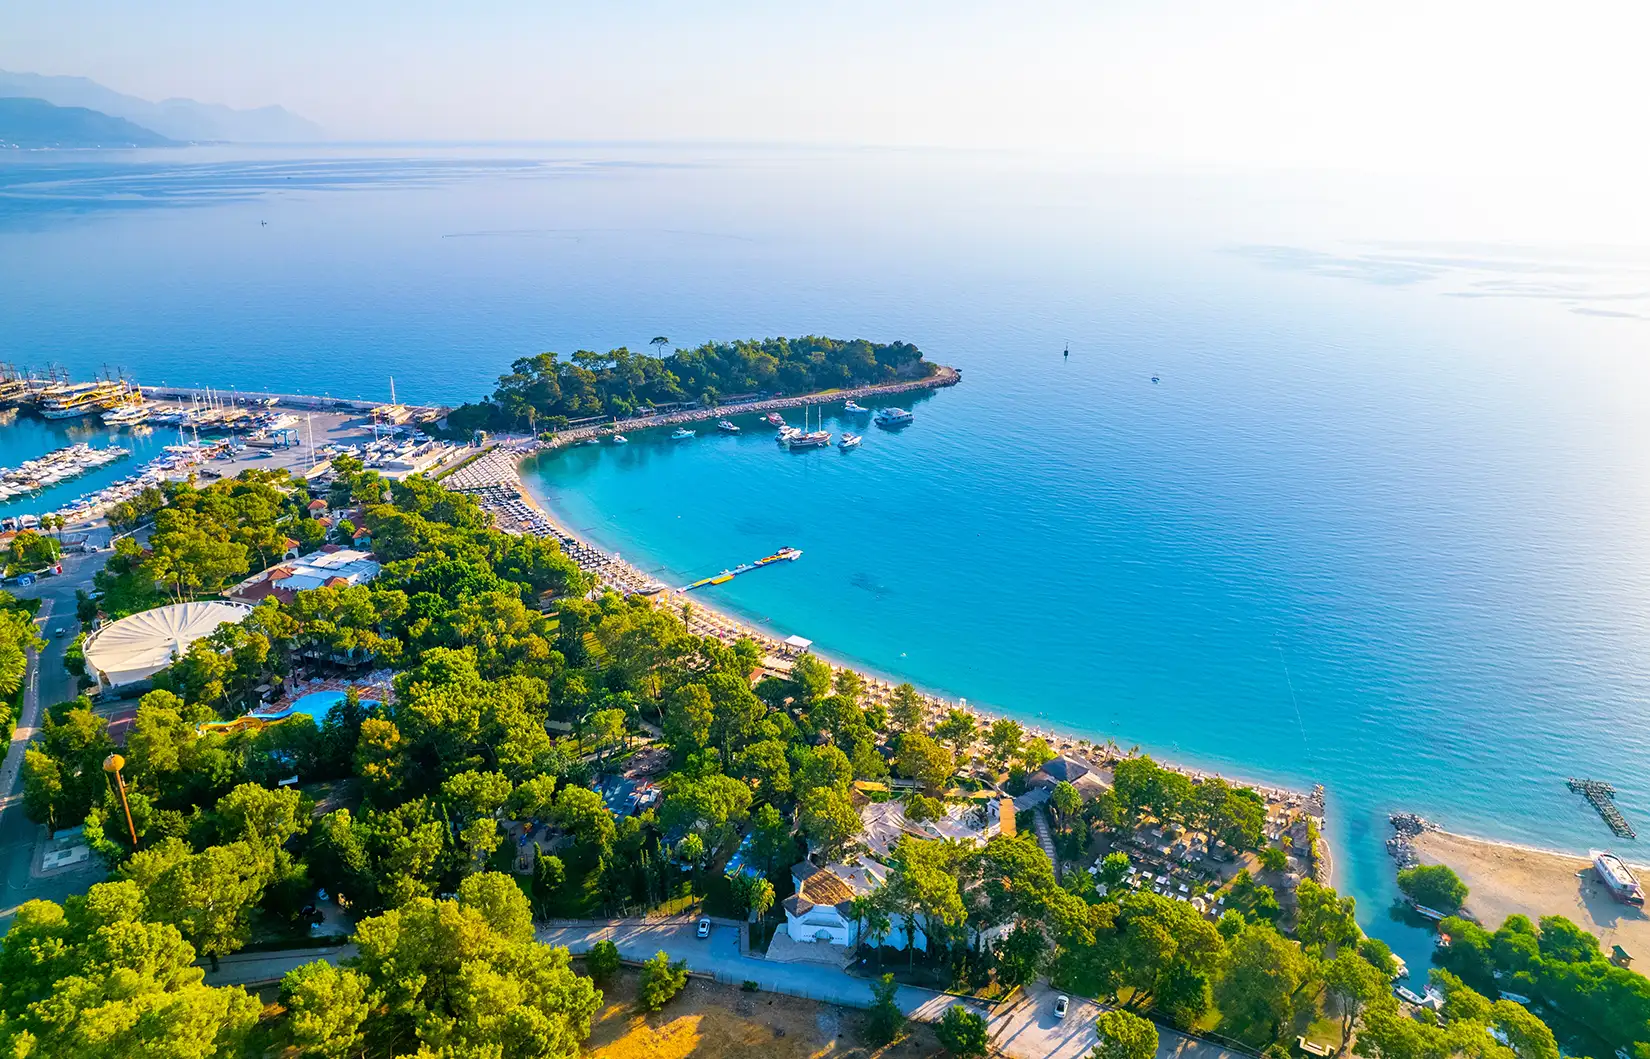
x,y
82,400
726,427
774,419
1618,878
850,441
856,409
893,417
681,433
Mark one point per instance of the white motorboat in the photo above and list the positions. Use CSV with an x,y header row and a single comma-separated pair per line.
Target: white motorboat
x,y
620,439
850,441
893,417
681,434
856,409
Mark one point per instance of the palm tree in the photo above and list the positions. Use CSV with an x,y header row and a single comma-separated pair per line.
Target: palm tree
x,y
761,899
659,342
877,926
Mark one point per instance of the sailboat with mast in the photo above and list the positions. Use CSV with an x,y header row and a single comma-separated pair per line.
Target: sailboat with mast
x,y
806,439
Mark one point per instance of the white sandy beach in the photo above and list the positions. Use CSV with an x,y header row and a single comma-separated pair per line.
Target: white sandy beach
x,y
1506,879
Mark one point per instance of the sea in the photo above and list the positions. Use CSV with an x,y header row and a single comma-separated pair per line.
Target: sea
x,y
1302,477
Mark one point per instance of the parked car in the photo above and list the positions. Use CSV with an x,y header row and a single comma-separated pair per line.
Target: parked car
x,y
704,928
1062,1004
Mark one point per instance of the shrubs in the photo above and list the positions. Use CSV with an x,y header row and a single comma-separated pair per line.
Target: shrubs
x,y
661,980
602,961
886,1019
1124,1035
1433,885
962,1032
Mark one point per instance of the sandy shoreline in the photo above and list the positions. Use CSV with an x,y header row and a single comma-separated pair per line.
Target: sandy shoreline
x,y
496,480
1506,879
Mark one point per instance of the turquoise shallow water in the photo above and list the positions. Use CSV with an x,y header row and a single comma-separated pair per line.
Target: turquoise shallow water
x,y
1380,525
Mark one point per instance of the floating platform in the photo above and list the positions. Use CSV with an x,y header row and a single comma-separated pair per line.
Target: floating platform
x,y
1603,798
725,576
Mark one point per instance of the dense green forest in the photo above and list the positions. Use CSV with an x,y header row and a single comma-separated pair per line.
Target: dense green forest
x,y
503,713
544,391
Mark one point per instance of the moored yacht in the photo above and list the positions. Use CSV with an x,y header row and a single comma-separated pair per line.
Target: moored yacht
x,y
727,427
774,419
850,441
854,408
126,415
681,433
893,417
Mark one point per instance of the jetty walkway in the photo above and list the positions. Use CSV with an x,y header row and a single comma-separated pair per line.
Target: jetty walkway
x,y
1602,796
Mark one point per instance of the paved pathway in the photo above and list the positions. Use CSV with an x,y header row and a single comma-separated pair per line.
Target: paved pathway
x,y
1024,1029
47,683
1027,1029
258,968
1045,837
719,955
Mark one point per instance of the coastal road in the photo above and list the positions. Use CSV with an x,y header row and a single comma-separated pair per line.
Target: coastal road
x,y
1025,1029
638,939
45,683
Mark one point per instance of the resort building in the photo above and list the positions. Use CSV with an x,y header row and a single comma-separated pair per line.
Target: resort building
x,y
1090,781
821,911
333,566
128,652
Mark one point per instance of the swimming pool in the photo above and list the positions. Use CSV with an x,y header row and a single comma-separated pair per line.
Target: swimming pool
x,y
317,704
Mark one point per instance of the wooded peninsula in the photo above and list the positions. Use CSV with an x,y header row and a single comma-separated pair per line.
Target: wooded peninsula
x,y
544,392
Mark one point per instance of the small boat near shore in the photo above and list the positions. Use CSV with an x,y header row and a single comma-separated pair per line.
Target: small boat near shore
x,y
726,427
620,439
850,441
855,409
774,419
682,434
893,417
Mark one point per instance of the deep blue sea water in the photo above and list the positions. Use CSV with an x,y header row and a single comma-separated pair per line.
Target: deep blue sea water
x,y
1381,524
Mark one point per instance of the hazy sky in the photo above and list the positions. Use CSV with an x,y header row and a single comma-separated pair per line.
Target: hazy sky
x,y
1494,85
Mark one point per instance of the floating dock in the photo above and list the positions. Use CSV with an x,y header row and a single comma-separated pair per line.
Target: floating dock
x,y
1603,798
725,576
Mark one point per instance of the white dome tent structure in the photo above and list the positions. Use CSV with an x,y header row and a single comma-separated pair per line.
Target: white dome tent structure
x,y
136,647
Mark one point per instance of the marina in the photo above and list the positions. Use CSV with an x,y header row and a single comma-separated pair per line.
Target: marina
x,y
71,461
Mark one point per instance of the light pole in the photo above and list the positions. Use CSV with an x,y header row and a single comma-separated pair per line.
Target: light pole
x,y
112,764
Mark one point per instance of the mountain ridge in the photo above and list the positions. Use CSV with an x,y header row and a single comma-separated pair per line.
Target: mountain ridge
x,y
177,118
35,123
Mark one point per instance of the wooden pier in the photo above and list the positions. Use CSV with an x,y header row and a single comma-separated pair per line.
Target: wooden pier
x,y
1602,797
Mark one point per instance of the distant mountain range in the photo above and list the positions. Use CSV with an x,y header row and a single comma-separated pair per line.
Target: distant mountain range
x,y
174,119
37,123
